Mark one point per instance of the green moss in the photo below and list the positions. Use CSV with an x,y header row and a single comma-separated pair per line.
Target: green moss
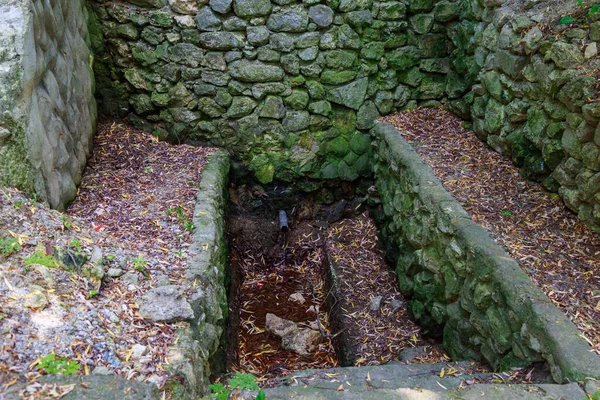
x,y
15,168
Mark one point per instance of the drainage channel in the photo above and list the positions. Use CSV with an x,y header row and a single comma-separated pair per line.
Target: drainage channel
x,y
310,288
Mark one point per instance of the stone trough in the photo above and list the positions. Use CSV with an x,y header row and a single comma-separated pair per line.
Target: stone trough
x,y
292,91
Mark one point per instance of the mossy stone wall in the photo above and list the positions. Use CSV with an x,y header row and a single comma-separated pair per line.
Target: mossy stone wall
x,y
290,88
459,281
536,95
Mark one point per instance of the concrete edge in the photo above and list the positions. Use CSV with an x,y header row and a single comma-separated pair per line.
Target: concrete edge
x,y
75,387
564,348
199,351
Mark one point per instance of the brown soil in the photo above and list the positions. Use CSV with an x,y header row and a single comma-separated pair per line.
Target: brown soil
x,y
272,266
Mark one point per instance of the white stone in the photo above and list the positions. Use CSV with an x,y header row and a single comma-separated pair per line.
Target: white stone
x,y
138,351
591,50
297,298
188,7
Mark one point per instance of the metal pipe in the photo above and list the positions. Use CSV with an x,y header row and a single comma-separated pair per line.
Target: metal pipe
x,y
283,222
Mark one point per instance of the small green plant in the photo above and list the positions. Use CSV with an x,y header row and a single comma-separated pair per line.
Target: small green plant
x,y
109,258
92,293
140,265
40,258
180,216
75,243
169,211
53,364
178,253
9,245
567,19
188,226
239,381
147,169
66,223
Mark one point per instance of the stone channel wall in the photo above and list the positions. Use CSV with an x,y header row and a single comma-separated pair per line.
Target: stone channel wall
x,y
537,97
47,106
199,351
460,281
289,87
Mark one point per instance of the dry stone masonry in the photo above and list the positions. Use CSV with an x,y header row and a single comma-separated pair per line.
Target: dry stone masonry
x,y
460,281
536,93
47,107
289,87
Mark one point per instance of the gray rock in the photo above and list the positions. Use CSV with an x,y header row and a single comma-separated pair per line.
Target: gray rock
x,y
307,39
321,15
294,19
162,280
220,6
185,21
257,35
375,303
102,370
131,279
291,64
165,304
241,106
259,90
279,327
252,8
206,20
220,41
138,351
235,24
396,305
189,7
282,42
367,113
255,71
96,257
303,341
295,121
309,53
114,272
351,95
187,54
273,108
297,298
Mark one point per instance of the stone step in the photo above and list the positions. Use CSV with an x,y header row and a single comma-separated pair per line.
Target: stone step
x,y
571,391
416,381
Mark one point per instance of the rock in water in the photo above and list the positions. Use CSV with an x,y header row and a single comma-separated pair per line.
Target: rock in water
x,y
165,304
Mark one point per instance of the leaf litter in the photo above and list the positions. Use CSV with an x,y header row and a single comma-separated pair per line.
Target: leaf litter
x,y
133,210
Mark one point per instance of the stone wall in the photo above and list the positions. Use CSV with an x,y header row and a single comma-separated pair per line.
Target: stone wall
x,y
460,281
289,87
537,98
199,351
47,108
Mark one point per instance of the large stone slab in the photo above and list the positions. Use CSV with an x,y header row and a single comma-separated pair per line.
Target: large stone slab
x,y
255,71
351,95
